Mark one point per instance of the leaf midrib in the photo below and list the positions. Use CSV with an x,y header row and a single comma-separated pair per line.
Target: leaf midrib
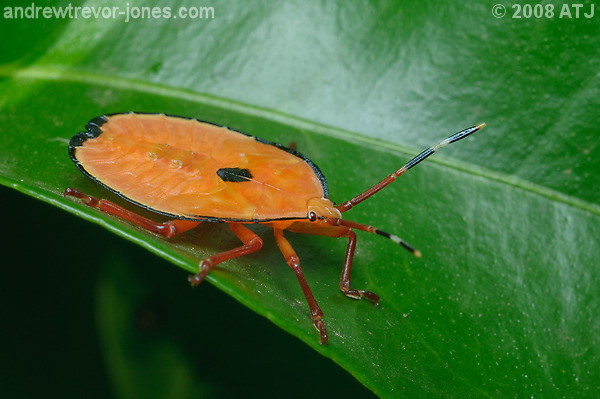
x,y
69,75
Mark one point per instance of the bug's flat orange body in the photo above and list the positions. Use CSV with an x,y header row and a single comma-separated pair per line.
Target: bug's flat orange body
x,y
170,164
195,171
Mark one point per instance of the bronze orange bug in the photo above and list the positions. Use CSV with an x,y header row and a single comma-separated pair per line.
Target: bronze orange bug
x,y
198,172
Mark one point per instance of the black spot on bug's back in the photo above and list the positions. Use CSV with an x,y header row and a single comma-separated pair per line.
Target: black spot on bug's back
x,y
234,175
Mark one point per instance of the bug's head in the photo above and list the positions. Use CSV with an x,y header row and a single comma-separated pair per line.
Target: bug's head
x,y
319,208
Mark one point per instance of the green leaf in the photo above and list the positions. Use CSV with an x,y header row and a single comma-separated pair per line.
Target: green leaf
x,y
504,301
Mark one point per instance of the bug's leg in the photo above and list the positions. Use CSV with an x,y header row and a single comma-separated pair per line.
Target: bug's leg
x,y
345,278
294,262
252,243
167,229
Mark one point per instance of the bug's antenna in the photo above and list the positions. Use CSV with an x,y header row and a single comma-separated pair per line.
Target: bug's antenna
x,y
371,229
343,207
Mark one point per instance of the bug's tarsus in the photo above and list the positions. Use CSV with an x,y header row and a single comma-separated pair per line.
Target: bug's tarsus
x,y
86,199
345,206
320,326
204,267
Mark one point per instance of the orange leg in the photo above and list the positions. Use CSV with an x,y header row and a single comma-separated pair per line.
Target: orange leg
x,y
252,243
341,231
294,262
345,278
167,229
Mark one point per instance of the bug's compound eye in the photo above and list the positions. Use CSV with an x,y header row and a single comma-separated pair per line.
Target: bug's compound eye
x,y
321,208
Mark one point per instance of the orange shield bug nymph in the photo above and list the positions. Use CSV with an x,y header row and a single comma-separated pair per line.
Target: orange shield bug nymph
x,y
198,172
